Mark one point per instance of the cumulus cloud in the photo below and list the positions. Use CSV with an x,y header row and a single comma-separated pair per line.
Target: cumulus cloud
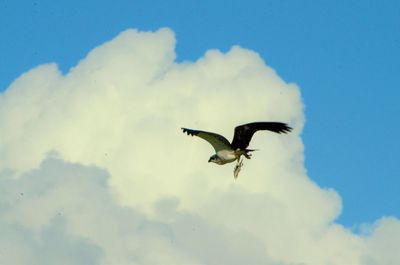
x,y
94,168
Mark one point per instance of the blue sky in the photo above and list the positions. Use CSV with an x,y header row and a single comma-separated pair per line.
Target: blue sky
x,y
344,55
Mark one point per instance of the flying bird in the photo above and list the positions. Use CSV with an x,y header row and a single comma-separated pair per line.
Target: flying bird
x,y
226,152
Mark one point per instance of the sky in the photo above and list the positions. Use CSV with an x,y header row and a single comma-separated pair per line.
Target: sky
x,y
87,88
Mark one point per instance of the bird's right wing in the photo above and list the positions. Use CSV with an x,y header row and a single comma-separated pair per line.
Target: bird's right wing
x,y
217,141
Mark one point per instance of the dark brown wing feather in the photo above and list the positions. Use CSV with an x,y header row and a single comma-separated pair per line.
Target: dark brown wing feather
x,y
244,133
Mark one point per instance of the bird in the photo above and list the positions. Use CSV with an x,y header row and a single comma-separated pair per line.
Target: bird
x,y
226,152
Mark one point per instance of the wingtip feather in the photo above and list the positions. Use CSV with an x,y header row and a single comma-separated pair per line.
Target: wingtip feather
x,y
188,131
286,129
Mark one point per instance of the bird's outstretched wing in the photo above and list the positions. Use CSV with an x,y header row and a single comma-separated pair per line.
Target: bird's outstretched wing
x,y
217,141
244,133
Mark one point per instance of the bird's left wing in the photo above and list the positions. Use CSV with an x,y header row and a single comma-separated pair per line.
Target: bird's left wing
x,y
217,141
244,133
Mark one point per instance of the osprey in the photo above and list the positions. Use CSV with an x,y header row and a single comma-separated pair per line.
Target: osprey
x,y
226,152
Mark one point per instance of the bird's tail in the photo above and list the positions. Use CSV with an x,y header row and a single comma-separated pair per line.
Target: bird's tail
x,y
251,150
247,151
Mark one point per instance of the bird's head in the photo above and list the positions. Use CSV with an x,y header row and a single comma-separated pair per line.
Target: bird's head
x,y
214,159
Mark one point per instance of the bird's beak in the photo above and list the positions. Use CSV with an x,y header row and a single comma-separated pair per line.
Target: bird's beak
x,y
209,160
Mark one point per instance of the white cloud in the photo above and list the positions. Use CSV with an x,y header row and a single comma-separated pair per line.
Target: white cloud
x,y
129,188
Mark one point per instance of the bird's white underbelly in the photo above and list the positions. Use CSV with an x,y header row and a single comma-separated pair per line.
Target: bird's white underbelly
x,y
227,155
